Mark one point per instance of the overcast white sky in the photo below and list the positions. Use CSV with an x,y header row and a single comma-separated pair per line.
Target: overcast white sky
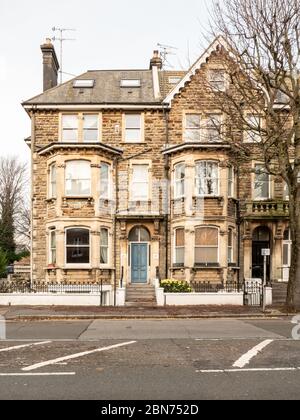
x,y
110,34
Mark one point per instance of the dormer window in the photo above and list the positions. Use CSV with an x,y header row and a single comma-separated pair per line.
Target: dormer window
x,y
130,83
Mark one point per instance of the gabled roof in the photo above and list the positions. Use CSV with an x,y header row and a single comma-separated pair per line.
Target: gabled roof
x,y
106,90
219,41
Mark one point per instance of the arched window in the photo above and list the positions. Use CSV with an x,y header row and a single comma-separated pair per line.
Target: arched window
x,y
179,180
207,178
179,246
206,245
78,178
139,234
77,246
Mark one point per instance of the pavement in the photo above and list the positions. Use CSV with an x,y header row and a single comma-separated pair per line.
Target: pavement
x,y
182,312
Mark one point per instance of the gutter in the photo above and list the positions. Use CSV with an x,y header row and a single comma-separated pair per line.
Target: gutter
x,y
32,147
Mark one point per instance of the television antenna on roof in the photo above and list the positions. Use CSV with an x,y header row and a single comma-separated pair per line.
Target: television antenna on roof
x,y
165,51
61,39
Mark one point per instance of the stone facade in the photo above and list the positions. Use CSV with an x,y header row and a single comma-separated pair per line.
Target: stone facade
x,y
161,148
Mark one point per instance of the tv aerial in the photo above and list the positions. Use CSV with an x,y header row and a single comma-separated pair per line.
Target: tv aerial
x,y
61,40
165,51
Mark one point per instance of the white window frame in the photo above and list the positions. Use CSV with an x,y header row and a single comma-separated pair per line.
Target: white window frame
x,y
140,128
109,183
107,247
90,179
90,129
230,248
197,178
259,198
80,265
63,129
52,232
201,246
179,181
231,181
52,181
178,247
190,128
133,182
80,127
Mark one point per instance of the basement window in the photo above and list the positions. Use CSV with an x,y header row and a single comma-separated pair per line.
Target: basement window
x,y
83,83
130,83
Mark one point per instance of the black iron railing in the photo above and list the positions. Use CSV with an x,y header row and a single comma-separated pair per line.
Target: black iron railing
x,y
210,287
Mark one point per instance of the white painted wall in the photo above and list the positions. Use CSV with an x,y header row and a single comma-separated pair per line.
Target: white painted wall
x,y
48,299
193,299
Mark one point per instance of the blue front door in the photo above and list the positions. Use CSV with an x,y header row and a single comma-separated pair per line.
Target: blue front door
x,y
139,263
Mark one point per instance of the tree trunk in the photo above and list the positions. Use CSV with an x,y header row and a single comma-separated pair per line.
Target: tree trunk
x,y
293,297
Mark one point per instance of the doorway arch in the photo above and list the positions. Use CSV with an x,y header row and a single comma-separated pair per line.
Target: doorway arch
x,y
139,240
261,239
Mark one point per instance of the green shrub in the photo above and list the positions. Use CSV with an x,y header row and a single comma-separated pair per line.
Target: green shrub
x,y
175,286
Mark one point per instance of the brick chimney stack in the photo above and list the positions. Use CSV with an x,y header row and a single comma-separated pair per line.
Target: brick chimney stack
x,y
50,65
156,61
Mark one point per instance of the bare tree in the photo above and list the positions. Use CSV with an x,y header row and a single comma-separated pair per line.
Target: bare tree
x,y
263,98
13,182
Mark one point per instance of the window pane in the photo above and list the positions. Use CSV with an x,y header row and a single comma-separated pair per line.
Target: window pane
x,y
140,182
104,237
133,121
104,181
287,235
262,184
206,236
78,237
192,121
144,235
230,238
70,121
133,135
78,255
53,240
78,178
286,254
180,237
90,121
206,255
90,135
192,135
179,255
134,235
70,135
103,255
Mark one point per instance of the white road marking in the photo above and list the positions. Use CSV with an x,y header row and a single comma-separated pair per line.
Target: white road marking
x,y
249,370
75,356
24,345
39,374
247,357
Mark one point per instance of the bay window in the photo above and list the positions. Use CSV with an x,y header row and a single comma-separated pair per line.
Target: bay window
x,y
179,246
52,254
105,184
206,246
207,178
52,183
179,180
77,246
104,246
78,178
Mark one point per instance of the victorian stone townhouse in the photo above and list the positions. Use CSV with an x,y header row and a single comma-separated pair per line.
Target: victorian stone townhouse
x,y
131,180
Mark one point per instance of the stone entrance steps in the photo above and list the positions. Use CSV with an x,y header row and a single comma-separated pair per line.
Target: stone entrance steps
x,y
279,293
140,295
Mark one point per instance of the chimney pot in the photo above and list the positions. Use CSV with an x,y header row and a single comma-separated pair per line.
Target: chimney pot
x,y
156,60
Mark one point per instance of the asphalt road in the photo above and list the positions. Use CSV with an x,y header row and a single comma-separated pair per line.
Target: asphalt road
x,y
150,360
